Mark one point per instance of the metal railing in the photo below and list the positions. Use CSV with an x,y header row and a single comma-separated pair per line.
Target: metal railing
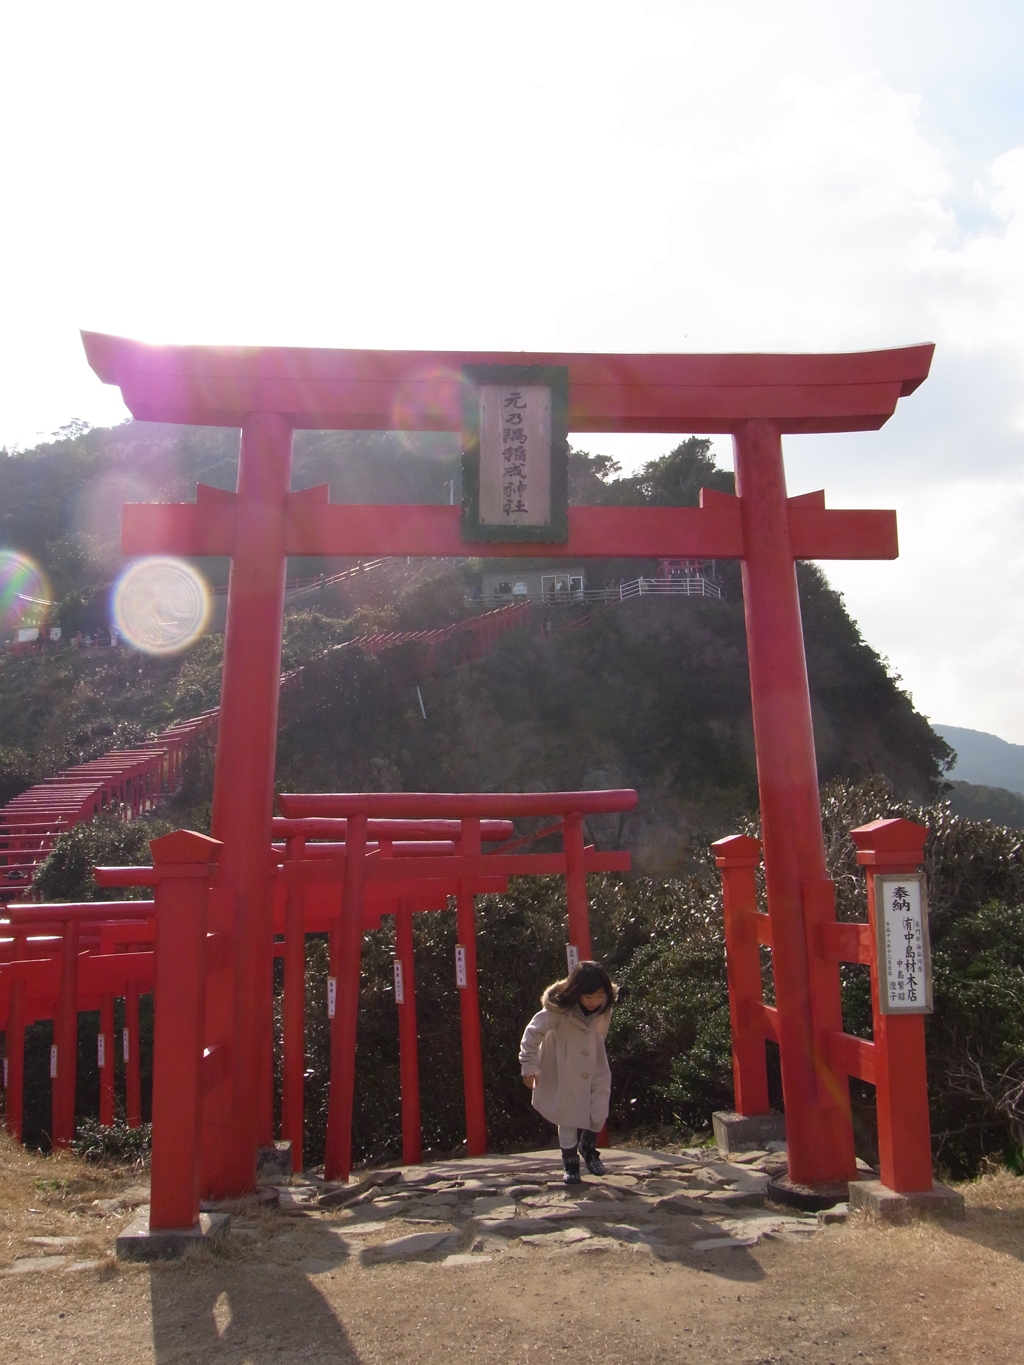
x,y
299,587
694,586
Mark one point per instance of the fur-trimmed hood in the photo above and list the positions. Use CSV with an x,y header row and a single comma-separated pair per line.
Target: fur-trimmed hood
x,y
549,1001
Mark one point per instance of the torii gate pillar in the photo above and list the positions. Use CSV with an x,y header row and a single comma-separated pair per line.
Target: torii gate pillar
x,y
243,789
819,1131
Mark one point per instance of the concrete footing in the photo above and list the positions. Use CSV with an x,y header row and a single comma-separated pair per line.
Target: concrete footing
x,y
881,1202
140,1243
806,1198
747,1132
273,1163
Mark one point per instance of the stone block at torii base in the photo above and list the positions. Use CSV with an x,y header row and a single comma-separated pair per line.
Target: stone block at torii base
x,y
747,1132
139,1243
879,1201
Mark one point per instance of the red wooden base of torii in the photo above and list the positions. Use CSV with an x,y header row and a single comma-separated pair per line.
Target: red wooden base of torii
x,y
269,392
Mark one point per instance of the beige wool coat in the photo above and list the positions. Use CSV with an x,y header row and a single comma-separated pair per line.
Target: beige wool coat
x,y
564,1049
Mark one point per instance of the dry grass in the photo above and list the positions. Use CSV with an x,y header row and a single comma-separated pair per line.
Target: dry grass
x,y
995,1211
927,1293
52,1196
997,1190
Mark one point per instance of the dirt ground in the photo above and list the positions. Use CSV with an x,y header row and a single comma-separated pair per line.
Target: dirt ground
x,y
279,1290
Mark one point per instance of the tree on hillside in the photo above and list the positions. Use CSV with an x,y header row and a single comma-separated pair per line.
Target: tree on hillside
x,y
589,477
672,480
81,573
108,840
675,479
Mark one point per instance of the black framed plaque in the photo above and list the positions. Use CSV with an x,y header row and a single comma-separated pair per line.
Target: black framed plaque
x,y
515,453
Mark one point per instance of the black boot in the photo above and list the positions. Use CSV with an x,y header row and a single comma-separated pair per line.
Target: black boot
x,y
571,1162
589,1152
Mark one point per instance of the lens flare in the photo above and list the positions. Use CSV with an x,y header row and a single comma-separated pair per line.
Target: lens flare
x,y
161,605
429,401
24,591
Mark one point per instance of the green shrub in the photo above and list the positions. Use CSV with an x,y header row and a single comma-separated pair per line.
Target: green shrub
x,y
108,840
117,1145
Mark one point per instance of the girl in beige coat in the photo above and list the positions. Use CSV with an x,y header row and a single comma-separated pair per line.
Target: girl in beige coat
x,y
565,1064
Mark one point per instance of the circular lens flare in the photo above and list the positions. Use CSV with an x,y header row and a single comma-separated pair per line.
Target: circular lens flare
x,y
24,591
161,605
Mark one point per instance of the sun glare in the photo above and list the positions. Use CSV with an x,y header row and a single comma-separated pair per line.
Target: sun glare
x,y
161,605
23,589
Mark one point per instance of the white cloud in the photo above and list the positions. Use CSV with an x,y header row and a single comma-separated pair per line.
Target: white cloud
x,y
764,174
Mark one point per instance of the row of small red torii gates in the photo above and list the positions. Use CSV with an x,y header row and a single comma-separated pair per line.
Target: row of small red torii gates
x,y
63,959
131,781
333,875
269,393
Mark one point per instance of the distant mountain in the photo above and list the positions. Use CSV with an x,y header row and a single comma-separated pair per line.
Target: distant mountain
x,y
984,759
997,804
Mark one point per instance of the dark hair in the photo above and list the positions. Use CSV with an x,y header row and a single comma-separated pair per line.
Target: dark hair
x,y
584,979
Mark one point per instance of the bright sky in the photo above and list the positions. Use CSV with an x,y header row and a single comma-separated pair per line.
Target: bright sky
x,y
572,174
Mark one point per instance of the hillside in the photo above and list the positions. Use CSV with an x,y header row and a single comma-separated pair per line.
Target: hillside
x,y
651,693
975,801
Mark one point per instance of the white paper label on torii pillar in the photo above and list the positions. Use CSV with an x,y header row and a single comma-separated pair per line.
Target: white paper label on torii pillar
x,y
572,957
125,1045
399,983
101,1050
53,1062
461,974
332,996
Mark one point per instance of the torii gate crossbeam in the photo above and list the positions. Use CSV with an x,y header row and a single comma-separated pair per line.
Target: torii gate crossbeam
x,y
270,392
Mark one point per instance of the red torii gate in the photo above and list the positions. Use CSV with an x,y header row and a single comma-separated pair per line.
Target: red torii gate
x,y
462,871
61,959
269,392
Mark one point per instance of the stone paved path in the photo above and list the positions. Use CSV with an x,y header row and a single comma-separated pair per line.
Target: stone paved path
x,y
478,1210
657,1203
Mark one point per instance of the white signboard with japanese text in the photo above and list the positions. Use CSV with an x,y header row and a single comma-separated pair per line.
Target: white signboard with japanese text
x,y
332,996
515,455
461,974
101,1050
572,957
399,983
904,951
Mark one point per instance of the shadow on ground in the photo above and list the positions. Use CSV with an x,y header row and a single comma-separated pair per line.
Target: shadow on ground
x,y
999,1230
243,1313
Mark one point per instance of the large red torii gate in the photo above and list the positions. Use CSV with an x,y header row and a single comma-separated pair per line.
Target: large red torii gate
x,y
269,392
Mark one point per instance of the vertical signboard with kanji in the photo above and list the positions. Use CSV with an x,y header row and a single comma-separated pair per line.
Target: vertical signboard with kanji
x,y
904,951
461,968
515,475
